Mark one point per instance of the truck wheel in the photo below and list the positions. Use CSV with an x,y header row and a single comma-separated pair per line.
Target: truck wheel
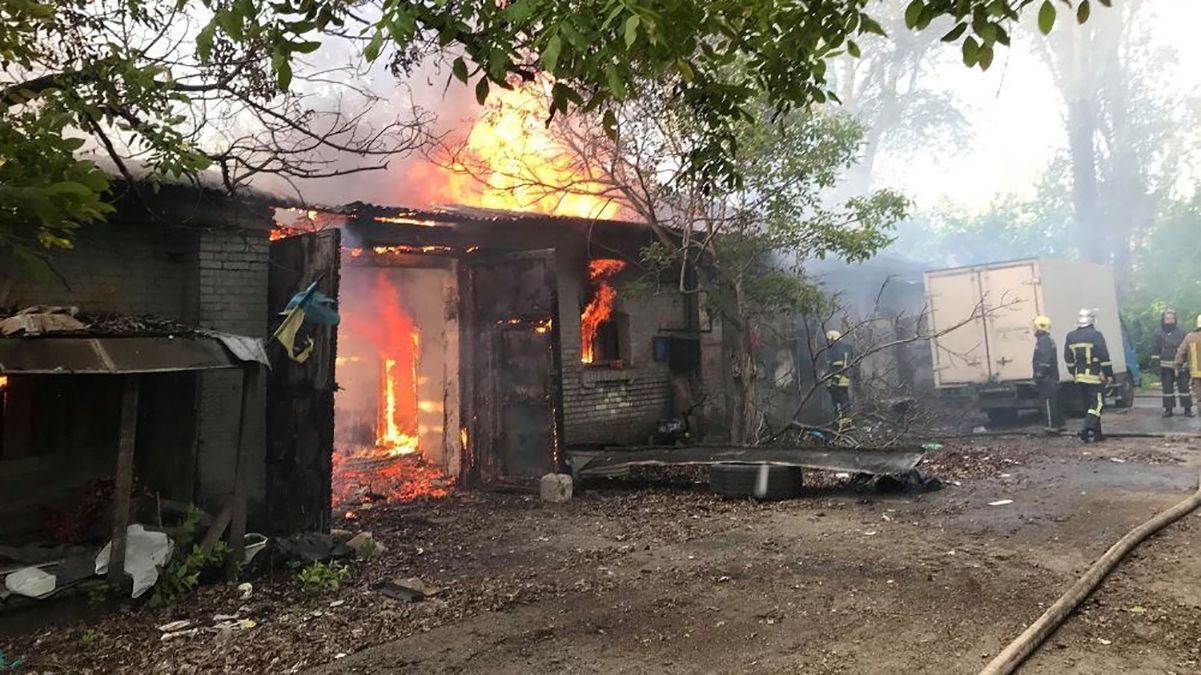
x,y
1000,417
761,481
1124,396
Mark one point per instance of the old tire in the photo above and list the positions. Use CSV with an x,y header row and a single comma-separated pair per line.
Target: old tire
x,y
760,481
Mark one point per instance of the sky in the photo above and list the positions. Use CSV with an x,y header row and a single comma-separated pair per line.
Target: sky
x,y
1015,113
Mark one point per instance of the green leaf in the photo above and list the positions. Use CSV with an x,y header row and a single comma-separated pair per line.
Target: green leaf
x,y
518,11
913,13
609,122
1082,11
231,23
616,85
284,75
204,41
853,49
371,52
870,25
955,33
459,68
631,31
550,55
985,56
481,90
1046,17
305,47
971,51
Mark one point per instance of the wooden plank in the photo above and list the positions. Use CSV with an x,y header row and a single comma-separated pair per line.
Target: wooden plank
x,y
237,524
124,479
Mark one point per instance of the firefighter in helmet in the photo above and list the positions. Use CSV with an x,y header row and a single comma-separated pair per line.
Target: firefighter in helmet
x,y
1188,358
1087,359
1175,381
1046,373
838,379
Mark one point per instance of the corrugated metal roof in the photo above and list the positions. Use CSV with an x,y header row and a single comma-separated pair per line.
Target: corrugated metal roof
x,y
112,355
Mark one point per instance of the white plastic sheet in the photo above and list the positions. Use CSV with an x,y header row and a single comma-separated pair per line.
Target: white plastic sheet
x,y
30,582
145,553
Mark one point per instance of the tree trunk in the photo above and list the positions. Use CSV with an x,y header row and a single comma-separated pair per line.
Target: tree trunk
x,y
742,412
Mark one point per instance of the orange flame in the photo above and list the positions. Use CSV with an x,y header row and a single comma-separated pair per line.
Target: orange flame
x,y
511,161
395,337
600,308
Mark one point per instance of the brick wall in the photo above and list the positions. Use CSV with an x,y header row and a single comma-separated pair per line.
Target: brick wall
x,y
232,276
117,269
605,405
232,297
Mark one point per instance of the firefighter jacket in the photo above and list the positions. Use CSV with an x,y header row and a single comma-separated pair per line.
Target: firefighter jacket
x,y
1166,343
1190,352
840,354
1086,356
1046,361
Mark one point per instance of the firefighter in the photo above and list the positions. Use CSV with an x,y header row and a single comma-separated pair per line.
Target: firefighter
x,y
1087,359
1046,373
1188,355
839,376
1175,380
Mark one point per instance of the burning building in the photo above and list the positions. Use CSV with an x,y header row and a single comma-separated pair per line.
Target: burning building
x,y
482,346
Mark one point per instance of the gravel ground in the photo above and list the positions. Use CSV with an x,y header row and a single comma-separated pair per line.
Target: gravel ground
x,y
661,576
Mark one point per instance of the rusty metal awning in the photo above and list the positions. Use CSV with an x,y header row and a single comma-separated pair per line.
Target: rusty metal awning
x,y
112,355
613,462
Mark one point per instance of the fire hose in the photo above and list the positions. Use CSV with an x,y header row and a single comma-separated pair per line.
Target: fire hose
x,y
1025,644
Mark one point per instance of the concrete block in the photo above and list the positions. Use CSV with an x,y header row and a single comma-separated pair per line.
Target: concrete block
x,y
556,488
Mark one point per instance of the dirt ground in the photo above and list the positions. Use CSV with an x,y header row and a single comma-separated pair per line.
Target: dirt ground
x,y
637,577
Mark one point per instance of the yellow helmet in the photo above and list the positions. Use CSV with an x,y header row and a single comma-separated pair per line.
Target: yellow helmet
x,y
834,335
1042,322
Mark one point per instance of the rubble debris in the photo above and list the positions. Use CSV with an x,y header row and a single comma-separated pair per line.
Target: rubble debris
x,y
411,589
41,319
311,547
1001,502
255,543
30,582
145,553
556,488
364,545
189,632
175,626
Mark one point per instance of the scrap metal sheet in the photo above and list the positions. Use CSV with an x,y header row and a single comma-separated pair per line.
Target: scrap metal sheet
x,y
852,460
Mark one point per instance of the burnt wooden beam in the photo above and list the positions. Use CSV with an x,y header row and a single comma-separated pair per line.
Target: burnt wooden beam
x,y
124,479
237,525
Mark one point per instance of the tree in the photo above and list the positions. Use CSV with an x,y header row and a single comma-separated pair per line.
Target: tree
x,y
119,78
1009,228
889,90
121,70
1122,119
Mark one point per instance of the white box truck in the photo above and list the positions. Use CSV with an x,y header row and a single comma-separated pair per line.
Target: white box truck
x,y
989,356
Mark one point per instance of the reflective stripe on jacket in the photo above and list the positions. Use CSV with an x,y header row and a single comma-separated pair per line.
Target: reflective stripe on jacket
x,y
1190,349
1086,355
840,365
1167,342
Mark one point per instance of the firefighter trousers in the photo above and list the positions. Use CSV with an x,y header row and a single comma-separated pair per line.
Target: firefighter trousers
x,y
841,396
1092,395
1048,396
1175,382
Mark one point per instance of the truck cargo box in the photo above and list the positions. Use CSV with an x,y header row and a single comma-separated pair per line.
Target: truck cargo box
x,y
999,302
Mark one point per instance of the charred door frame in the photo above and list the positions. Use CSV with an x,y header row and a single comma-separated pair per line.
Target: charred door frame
x,y
478,433
300,396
